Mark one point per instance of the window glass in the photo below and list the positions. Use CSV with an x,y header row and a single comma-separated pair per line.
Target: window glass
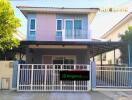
x,y
77,24
59,24
59,33
32,32
32,24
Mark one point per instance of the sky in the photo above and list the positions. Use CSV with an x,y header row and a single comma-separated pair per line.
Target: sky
x,y
102,22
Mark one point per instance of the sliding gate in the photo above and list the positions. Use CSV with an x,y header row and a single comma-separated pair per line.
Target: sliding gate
x,y
114,77
45,77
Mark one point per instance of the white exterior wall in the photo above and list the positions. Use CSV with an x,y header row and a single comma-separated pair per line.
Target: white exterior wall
x,y
6,73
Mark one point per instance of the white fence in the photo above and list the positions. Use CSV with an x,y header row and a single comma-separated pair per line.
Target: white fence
x,y
114,77
45,77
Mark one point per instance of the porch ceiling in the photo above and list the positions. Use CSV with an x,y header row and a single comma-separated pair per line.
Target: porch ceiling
x,y
93,47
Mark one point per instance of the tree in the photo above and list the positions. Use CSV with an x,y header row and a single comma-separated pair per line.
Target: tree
x,y
8,25
127,37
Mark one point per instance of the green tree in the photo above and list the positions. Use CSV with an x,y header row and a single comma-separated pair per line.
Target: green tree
x,y
8,25
127,37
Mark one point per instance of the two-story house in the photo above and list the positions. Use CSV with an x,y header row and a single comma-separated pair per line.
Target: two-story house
x,y
57,39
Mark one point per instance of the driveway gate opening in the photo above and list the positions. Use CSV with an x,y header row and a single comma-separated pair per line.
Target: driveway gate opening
x,y
114,77
45,77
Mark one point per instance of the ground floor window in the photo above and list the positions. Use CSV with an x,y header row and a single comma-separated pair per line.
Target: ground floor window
x,y
63,59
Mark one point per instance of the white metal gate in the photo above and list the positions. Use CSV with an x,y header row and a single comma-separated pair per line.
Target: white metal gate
x,y
45,77
114,77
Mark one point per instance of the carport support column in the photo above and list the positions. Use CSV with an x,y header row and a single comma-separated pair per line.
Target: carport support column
x,y
114,58
101,60
129,55
101,63
129,65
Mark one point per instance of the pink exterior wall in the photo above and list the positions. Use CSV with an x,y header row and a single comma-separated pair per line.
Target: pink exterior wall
x,y
46,27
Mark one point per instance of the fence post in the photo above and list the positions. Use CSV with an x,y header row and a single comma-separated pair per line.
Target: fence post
x,y
54,75
74,80
45,75
18,76
61,80
32,78
93,71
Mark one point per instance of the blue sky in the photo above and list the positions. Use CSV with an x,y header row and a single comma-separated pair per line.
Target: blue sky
x,y
102,22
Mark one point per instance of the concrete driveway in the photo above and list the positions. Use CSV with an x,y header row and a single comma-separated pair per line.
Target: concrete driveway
x,y
13,95
102,95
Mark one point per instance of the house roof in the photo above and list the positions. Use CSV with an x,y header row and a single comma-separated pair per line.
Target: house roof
x,y
121,22
28,9
19,35
94,47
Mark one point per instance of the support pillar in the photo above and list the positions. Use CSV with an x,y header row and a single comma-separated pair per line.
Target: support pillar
x,y
129,55
101,63
114,58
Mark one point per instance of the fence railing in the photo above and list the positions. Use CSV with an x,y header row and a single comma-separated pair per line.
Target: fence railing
x,y
114,76
45,77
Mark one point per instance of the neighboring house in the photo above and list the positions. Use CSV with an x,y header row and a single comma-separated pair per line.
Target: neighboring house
x,y
19,35
114,35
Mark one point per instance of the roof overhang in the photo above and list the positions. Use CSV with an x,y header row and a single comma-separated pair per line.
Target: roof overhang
x,y
26,10
54,10
93,48
118,25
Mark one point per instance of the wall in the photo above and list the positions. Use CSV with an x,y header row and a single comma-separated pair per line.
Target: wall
x,y
6,72
46,27
36,55
114,36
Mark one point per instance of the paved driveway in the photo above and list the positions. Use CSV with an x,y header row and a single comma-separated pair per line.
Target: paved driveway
x,y
12,95
106,95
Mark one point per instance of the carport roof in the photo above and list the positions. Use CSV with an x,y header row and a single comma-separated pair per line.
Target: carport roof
x,y
94,47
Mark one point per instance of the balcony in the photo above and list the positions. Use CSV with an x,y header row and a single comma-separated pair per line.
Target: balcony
x,y
75,35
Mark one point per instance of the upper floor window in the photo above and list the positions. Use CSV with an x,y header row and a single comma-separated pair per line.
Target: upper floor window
x,y
77,24
32,26
59,24
58,29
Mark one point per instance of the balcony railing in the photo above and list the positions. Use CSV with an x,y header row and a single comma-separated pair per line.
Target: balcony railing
x,y
77,34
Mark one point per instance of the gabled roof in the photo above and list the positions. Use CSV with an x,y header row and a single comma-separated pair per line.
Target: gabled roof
x,y
121,22
27,9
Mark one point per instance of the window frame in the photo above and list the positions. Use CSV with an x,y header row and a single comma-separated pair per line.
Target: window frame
x,y
73,19
61,25
30,26
81,23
